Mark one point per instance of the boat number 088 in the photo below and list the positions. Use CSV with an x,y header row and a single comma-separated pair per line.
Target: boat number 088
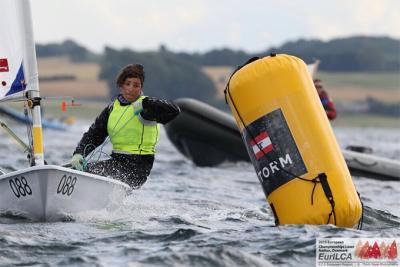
x,y
66,185
20,187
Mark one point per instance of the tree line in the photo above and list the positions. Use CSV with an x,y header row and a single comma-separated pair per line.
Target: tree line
x,y
359,53
178,74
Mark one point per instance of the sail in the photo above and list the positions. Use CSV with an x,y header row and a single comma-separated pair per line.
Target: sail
x,y
18,66
313,68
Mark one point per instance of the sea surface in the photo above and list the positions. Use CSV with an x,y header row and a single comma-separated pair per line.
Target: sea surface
x,y
189,216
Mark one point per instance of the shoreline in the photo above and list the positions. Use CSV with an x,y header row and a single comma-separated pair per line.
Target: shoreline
x,y
88,110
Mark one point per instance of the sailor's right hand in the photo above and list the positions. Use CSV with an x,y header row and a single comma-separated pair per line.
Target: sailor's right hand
x,y
78,162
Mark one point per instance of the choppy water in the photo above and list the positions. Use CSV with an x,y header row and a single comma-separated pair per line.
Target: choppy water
x,y
189,216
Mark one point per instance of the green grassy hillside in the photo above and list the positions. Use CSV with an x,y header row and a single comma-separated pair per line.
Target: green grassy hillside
x,y
368,81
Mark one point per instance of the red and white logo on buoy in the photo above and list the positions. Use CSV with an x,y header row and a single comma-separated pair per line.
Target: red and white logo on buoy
x,y
273,151
261,145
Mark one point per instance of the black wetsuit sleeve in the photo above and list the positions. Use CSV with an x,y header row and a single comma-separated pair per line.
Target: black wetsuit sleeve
x,y
161,111
96,134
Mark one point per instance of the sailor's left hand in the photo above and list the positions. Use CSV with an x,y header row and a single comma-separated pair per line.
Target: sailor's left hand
x,y
78,162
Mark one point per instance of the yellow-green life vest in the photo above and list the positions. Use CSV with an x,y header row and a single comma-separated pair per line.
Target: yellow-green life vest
x,y
131,134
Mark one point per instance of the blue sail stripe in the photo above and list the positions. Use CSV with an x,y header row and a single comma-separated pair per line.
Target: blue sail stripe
x,y
18,84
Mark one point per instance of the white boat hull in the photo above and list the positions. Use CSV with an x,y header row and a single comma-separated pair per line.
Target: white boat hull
x,y
367,165
51,193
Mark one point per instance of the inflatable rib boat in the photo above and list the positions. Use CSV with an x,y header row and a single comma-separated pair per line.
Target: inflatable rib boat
x,y
206,135
209,136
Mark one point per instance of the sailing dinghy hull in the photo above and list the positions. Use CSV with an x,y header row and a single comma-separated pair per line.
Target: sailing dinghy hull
x,y
53,193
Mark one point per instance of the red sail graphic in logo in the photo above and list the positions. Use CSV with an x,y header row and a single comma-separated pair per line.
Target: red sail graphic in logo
x,y
375,251
4,65
383,248
365,250
357,252
261,145
392,251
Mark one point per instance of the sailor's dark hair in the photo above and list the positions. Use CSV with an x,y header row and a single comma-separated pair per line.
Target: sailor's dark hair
x,y
131,71
317,83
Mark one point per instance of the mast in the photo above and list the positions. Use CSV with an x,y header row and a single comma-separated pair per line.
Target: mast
x,y
32,78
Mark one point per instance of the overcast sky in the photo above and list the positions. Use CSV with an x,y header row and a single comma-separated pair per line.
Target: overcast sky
x,y
202,25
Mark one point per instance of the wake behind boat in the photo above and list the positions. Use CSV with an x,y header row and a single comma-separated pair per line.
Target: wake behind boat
x,y
40,192
53,193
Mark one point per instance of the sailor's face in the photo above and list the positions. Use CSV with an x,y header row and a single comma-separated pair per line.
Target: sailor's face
x,y
131,89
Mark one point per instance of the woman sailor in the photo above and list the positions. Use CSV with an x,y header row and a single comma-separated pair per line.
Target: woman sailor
x,y
131,122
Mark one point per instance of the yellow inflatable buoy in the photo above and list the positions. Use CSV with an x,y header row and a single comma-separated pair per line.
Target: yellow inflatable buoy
x,y
291,143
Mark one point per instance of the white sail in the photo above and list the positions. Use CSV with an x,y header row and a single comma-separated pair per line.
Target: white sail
x,y
313,68
18,66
